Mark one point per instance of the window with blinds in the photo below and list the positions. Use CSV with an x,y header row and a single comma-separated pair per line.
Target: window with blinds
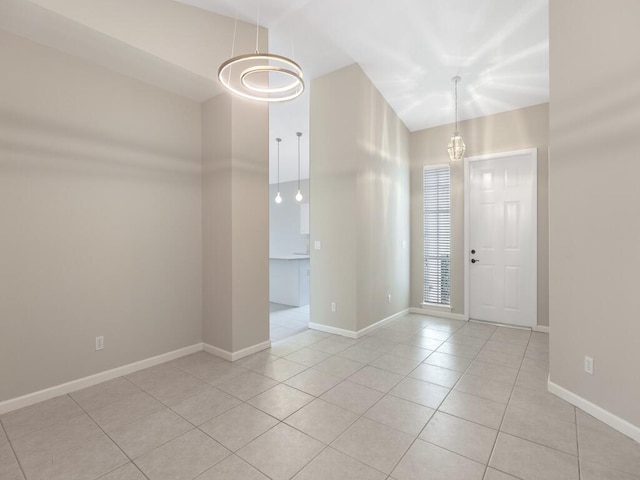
x,y
437,234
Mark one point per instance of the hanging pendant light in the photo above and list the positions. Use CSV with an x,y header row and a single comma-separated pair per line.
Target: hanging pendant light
x,y
299,194
278,197
252,67
456,146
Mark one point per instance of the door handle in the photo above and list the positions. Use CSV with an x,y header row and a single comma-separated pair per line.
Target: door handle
x,y
473,260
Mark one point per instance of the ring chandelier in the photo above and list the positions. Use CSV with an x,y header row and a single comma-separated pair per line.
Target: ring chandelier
x,y
239,80
251,78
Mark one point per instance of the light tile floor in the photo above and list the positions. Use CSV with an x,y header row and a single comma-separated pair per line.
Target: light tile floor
x,y
286,321
423,398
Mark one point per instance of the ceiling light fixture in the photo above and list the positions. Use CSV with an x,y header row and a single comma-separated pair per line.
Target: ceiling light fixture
x,y
299,194
251,79
278,197
456,146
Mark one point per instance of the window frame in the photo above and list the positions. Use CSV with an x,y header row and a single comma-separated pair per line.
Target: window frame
x,y
443,296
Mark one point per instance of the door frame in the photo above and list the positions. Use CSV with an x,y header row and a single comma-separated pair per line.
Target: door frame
x,y
533,154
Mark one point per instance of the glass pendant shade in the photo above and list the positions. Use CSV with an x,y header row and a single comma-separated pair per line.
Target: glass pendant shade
x,y
299,196
456,147
278,198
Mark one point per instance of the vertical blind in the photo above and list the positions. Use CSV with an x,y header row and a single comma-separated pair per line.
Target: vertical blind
x,y
437,234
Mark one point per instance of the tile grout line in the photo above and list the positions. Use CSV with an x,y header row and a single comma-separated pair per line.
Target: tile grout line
x,y
68,450
486,339
274,426
112,440
378,401
195,427
435,410
575,416
360,416
363,414
46,426
337,354
507,407
540,414
15,455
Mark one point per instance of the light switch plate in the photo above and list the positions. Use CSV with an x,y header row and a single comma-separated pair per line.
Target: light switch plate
x,y
588,365
317,245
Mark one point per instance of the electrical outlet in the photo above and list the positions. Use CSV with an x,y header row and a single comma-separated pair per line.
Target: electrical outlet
x,y
333,306
389,298
99,343
588,365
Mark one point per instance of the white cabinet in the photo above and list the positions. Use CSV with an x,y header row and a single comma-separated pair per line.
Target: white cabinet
x,y
289,280
304,219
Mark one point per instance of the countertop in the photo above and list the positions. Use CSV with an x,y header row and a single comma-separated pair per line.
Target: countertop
x,y
291,256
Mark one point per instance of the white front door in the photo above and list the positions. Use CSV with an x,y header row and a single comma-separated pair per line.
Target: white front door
x,y
502,238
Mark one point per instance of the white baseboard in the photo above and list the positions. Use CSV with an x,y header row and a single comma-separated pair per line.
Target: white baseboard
x,y
594,410
381,323
233,356
91,380
334,330
502,325
359,333
541,328
439,313
218,352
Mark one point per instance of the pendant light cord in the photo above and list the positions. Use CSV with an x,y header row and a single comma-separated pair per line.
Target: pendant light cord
x,y
457,106
299,134
233,42
293,51
235,29
278,140
258,27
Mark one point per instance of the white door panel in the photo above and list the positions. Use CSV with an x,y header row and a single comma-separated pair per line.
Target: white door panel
x,y
502,233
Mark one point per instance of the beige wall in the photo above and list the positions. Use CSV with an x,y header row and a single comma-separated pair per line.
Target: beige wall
x,y
235,223
181,35
100,215
595,211
250,217
514,130
383,208
359,179
216,222
332,175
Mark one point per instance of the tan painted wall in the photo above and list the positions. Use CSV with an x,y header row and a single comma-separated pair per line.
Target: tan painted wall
x,y
217,222
100,219
383,208
235,223
332,175
250,218
514,130
359,180
595,211
180,34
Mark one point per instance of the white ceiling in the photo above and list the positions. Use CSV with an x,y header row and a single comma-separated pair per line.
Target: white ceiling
x,y
410,49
